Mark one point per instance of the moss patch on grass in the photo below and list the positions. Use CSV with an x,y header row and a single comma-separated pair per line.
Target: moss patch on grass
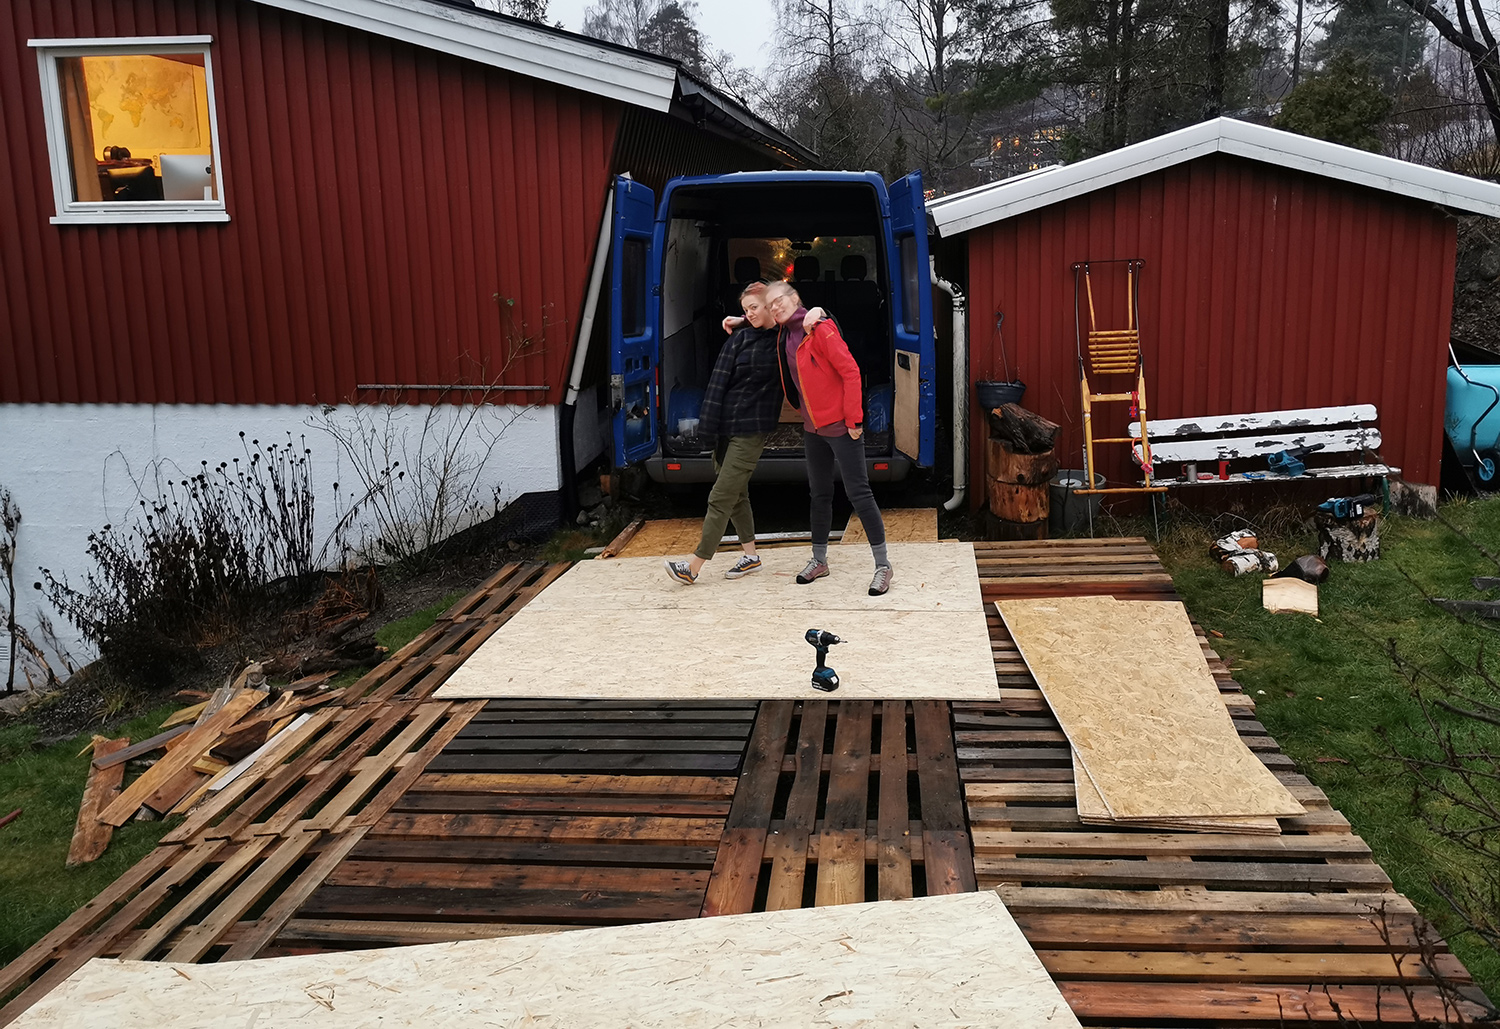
x,y
47,785
1329,692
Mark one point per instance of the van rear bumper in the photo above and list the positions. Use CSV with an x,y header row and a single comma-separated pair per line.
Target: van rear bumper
x,y
771,469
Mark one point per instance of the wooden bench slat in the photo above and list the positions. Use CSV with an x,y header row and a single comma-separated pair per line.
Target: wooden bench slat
x,y
1335,442
1206,425
1349,471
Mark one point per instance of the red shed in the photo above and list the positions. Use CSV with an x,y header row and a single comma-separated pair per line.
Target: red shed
x,y
1280,272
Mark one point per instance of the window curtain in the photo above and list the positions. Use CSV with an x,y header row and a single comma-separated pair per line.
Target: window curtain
x,y
80,129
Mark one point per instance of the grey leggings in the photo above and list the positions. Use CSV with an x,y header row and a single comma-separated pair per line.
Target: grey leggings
x,y
822,453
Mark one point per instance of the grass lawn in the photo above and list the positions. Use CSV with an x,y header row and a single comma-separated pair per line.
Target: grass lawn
x,y
1324,688
47,785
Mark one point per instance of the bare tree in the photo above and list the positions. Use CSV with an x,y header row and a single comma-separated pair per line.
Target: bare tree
x,y
823,94
1474,37
929,85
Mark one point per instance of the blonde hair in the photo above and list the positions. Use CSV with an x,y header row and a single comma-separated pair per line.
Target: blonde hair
x,y
783,286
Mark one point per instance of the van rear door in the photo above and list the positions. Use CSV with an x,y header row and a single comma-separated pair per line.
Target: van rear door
x,y
635,303
914,401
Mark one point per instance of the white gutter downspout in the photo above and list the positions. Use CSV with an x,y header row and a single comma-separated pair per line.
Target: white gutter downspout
x,y
960,387
591,299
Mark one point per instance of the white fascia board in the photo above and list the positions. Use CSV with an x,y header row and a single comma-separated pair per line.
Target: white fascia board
x,y
474,36
986,204
1008,198
1319,157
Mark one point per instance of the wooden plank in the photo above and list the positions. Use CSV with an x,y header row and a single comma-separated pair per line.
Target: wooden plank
x,y
264,929
621,540
545,852
173,790
1288,876
227,872
193,746
893,853
946,848
841,849
1063,898
1334,441
397,934
731,887
91,836
1265,421
555,827
135,750
267,764
787,850
577,785
1112,1002
1127,844
201,937
1217,931
419,904
401,782
341,803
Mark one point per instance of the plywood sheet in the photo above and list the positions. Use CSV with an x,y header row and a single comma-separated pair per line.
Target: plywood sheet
x,y
902,525
622,629
1129,684
949,961
907,387
662,536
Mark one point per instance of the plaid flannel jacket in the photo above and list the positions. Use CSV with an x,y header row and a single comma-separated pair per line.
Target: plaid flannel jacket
x,y
744,390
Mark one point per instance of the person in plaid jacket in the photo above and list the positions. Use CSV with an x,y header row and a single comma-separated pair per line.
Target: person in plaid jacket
x,y
740,406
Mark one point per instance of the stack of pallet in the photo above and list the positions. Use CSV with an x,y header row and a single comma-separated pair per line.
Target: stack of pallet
x,y
202,748
1153,744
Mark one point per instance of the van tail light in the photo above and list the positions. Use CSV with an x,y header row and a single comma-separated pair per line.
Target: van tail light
x,y
882,466
673,466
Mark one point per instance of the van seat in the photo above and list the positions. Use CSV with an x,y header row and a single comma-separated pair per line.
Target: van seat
x,y
807,278
856,304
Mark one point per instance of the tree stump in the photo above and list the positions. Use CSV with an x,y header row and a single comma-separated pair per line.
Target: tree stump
x,y
1017,491
1348,539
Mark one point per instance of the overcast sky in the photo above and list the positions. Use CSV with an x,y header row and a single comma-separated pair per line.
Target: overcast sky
x,y
743,27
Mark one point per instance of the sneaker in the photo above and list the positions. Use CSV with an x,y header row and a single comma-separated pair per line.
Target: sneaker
x,y
743,567
882,580
815,570
680,571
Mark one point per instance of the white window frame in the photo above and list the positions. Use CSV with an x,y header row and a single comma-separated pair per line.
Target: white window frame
x,y
75,212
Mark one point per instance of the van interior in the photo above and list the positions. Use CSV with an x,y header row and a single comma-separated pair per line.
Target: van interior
x,y
827,238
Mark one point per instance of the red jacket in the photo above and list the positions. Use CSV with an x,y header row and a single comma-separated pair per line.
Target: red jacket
x,y
829,376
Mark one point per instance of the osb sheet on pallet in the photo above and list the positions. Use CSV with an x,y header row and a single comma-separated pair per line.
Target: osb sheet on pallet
x,y
623,630
958,960
662,536
1129,684
902,525
1093,811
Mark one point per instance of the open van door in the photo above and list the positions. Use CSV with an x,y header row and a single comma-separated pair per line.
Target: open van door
x,y
914,400
634,303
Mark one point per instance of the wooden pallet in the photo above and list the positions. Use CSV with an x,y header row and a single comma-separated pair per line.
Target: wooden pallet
x,y
224,883
1181,928
541,815
1125,568
799,832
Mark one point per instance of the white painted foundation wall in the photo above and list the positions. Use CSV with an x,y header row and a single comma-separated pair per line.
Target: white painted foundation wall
x,y
73,468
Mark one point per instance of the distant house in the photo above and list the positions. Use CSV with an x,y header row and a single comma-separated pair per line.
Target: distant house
x,y
1280,272
1025,136
245,215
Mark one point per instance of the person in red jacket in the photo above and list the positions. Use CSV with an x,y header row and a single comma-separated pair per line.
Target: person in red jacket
x,y
821,379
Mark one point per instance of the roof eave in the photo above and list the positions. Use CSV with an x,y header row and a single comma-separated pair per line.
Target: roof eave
x,y
537,52
984,205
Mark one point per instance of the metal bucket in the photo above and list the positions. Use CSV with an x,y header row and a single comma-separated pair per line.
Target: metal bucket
x,y
1068,511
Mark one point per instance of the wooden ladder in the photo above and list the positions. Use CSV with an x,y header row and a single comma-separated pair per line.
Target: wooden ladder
x,y
1112,352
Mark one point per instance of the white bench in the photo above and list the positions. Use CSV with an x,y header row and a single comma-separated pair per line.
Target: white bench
x,y
1205,441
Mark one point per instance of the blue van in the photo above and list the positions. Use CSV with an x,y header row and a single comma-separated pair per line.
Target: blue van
x,y
848,242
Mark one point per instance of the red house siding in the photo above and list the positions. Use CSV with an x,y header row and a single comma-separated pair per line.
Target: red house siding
x,y
1263,289
386,203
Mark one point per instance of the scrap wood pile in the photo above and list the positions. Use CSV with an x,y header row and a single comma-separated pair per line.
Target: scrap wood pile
x,y
1153,744
200,750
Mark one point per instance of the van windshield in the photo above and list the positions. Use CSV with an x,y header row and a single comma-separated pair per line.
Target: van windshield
x,y
819,259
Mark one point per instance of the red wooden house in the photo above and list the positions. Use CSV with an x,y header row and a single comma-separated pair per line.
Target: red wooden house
x,y
1281,272
227,215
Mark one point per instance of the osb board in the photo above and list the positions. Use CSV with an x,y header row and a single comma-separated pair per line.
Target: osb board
x,y
623,630
662,536
902,525
1289,595
1128,682
955,960
1092,811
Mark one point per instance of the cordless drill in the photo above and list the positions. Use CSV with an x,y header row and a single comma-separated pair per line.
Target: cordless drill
x,y
823,677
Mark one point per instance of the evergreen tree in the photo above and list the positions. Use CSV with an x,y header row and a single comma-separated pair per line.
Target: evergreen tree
x,y
1343,103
